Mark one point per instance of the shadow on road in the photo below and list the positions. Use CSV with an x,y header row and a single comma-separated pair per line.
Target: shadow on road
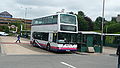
x,y
113,55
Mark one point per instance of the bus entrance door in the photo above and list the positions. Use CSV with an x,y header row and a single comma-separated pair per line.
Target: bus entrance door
x,y
50,37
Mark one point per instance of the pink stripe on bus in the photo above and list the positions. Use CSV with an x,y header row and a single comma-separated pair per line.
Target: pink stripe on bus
x,y
68,48
42,44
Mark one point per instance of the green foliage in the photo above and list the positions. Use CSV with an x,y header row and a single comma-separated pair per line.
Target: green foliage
x,y
112,28
112,39
109,39
84,23
98,23
81,13
4,29
90,23
71,12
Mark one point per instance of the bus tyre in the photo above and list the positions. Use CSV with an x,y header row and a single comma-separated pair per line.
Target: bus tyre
x,y
48,47
34,44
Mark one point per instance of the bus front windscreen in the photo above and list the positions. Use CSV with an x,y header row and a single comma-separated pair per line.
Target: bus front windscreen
x,y
68,28
67,37
67,19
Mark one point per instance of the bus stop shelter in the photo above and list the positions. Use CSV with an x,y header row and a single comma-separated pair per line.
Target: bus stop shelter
x,y
89,41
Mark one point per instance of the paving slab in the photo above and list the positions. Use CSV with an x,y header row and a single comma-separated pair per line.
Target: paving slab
x,y
109,50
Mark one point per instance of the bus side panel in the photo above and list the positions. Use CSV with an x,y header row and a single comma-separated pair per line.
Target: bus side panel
x,y
41,44
61,47
55,47
41,28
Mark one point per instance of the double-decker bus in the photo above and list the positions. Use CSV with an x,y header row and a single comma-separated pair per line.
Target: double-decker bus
x,y
56,32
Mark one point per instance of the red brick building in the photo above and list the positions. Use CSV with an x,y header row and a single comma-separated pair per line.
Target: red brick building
x,y
6,19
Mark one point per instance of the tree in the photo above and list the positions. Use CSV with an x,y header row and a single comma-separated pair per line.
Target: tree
x,y
84,22
98,23
4,28
90,23
112,27
81,13
71,12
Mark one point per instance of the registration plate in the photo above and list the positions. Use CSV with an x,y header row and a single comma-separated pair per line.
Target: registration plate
x,y
67,50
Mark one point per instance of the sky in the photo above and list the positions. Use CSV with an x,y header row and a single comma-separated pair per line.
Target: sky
x,y
39,8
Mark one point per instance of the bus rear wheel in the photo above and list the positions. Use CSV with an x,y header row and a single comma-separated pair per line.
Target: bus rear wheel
x,y
34,44
48,47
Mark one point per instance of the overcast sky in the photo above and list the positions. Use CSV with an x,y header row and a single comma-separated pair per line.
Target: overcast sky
x,y
38,8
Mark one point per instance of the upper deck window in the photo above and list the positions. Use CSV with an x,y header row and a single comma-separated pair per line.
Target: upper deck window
x,y
68,19
46,20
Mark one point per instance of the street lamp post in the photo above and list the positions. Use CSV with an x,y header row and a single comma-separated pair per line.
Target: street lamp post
x,y
25,18
25,15
26,12
26,9
103,13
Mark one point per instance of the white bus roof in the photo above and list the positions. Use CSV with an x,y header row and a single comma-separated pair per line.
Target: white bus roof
x,y
54,14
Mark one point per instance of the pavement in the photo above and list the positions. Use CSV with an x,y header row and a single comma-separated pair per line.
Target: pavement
x,y
109,50
106,51
9,47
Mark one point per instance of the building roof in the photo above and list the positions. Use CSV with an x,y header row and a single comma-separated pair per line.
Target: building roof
x,y
5,14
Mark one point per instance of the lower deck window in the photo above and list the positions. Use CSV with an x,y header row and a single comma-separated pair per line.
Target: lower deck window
x,y
40,36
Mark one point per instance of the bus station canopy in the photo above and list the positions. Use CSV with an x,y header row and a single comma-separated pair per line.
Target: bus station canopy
x,y
89,32
97,33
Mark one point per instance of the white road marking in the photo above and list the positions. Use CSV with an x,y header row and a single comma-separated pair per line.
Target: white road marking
x,y
70,66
